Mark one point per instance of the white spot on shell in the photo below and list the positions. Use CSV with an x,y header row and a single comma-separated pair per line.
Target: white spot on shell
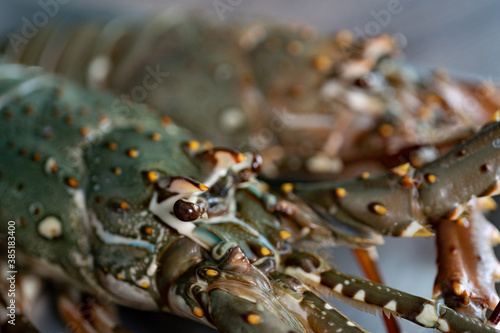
x,y
50,227
346,282
350,323
49,165
360,295
338,288
391,305
152,269
428,316
98,70
328,307
443,325
232,119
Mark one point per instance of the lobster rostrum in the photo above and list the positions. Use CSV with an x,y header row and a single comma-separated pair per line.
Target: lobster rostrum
x,y
123,203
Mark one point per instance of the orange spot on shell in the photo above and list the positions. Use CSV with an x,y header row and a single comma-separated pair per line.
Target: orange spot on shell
x,y
133,153
37,157
72,182
124,205
240,158
379,209
29,110
322,63
85,130
385,130
156,136
103,119
198,312
112,146
401,170
165,121
431,178
265,251
253,319
69,119
211,272
340,192
193,145
285,234
152,176
407,181
287,187
8,115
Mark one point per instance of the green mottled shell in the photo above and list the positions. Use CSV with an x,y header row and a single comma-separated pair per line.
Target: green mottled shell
x,y
47,121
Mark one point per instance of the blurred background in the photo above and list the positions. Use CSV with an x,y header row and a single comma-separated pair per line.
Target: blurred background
x,y
459,35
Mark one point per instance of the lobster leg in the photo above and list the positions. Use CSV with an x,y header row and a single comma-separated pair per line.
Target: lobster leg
x,y
368,260
467,266
402,202
368,295
21,323
87,315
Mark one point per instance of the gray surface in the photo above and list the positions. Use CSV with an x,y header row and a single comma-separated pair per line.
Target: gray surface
x,y
460,35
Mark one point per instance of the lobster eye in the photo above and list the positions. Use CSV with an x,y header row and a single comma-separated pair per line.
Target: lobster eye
x,y
187,211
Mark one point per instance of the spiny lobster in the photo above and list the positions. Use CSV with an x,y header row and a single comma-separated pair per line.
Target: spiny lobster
x,y
119,202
